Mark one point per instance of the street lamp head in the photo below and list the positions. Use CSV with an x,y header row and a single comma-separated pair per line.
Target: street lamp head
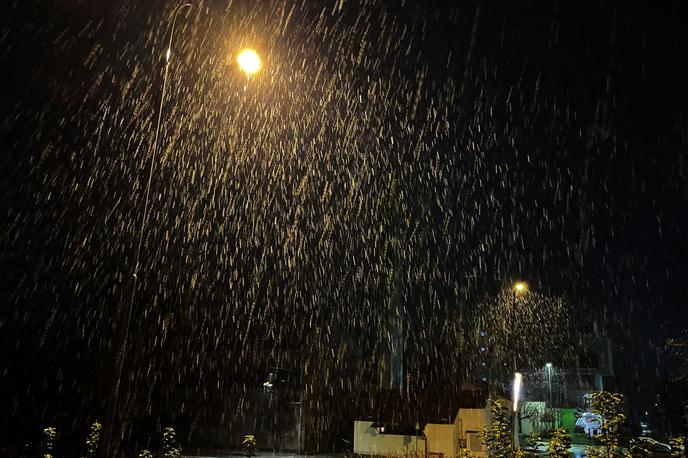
x,y
548,365
520,287
249,61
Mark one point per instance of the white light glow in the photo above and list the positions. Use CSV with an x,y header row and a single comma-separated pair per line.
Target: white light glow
x,y
520,287
248,61
517,389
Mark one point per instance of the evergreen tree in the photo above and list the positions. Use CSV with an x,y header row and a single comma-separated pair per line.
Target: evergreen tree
x,y
534,442
559,444
464,453
249,444
678,447
497,435
591,452
610,407
640,448
93,439
170,448
49,435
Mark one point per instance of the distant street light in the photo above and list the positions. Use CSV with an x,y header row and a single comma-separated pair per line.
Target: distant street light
x,y
520,287
249,62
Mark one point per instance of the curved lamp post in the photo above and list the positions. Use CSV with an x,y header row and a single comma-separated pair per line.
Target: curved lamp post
x,y
122,332
249,62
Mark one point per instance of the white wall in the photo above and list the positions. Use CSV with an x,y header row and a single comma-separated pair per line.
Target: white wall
x,y
442,438
470,423
367,441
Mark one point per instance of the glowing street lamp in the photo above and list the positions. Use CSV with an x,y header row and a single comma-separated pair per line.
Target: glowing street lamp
x,y
520,287
249,61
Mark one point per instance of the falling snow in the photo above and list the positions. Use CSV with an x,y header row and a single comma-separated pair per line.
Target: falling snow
x,y
390,161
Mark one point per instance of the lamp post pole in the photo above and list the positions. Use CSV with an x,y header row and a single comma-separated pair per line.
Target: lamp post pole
x,y
519,288
548,368
124,318
250,63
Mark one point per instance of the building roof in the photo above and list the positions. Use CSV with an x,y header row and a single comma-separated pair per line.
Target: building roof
x,y
399,412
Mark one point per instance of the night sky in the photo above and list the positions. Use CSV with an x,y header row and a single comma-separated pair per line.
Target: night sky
x,y
479,142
